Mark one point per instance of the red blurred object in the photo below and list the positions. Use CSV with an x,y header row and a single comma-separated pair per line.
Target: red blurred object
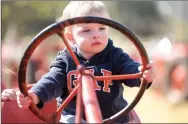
x,y
172,73
171,62
11,113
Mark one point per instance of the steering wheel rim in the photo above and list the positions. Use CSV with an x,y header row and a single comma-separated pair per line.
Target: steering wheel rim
x,y
56,28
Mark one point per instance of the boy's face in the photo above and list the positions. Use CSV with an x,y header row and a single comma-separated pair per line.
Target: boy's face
x,y
91,38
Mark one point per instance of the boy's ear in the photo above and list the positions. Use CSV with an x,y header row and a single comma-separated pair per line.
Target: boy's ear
x,y
69,37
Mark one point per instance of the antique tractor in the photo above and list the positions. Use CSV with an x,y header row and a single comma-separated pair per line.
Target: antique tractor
x,y
84,91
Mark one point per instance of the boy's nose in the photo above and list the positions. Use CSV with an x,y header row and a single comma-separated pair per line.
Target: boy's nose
x,y
95,35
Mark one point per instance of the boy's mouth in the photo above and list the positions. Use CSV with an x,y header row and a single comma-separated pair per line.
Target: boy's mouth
x,y
96,43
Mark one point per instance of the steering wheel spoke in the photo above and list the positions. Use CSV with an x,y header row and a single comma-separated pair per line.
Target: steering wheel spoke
x,y
75,59
119,77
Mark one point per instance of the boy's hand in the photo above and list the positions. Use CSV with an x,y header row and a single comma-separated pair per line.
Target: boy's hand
x,y
8,94
148,74
24,102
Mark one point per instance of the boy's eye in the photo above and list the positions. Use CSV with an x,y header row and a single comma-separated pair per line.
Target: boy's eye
x,y
102,28
86,30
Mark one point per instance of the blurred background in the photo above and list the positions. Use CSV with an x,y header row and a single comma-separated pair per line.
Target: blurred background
x,y
162,27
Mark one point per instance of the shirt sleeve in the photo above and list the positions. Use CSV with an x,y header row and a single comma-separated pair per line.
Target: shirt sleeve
x,y
126,65
51,85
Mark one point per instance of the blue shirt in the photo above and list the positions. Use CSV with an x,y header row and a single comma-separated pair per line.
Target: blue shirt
x,y
61,79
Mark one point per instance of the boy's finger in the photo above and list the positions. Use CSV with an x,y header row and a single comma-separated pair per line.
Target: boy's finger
x,y
150,64
18,93
144,76
9,96
140,68
27,103
146,71
25,99
6,94
23,106
12,94
7,90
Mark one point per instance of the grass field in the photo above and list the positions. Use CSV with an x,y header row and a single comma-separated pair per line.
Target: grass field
x,y
154,108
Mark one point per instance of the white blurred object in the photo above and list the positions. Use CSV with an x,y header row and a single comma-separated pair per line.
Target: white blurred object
x,y
175,97
165,46
164,8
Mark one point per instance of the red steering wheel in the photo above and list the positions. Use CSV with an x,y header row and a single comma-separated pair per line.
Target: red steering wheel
x,y
57,28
